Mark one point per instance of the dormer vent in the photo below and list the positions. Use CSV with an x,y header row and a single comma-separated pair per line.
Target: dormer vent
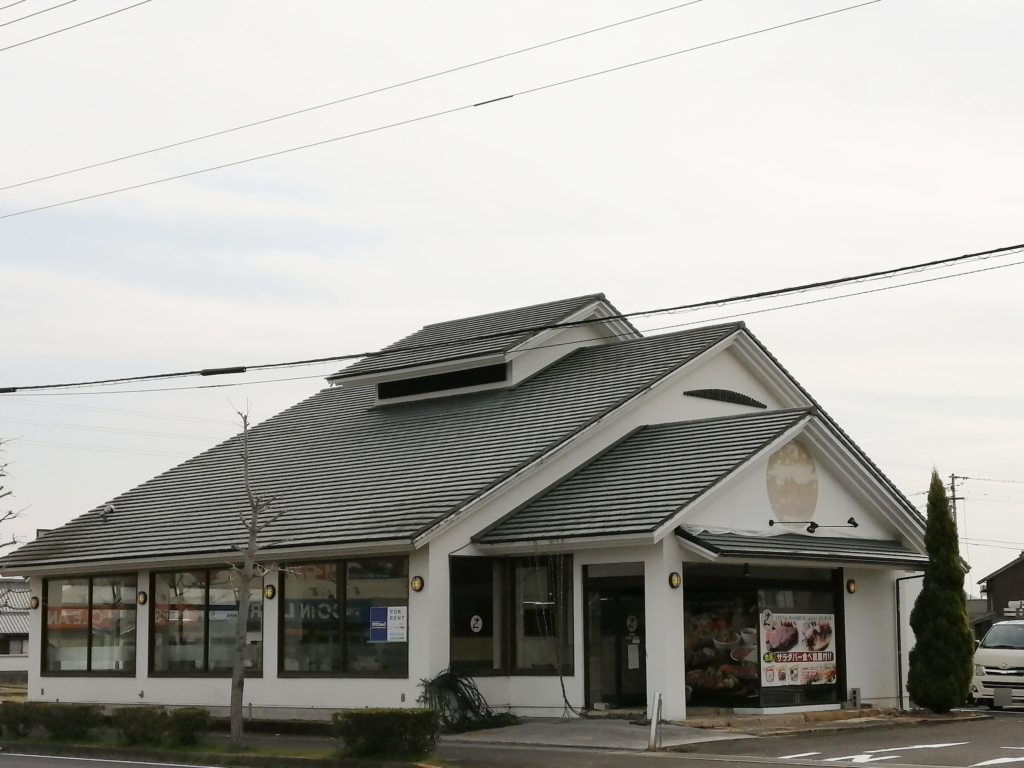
x,y
726,396
440,382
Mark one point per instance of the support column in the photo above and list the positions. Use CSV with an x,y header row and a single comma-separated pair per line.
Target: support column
x,y
666,669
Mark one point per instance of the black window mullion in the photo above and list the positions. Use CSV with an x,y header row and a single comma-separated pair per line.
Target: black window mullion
x,y
206,624
342,572
88,636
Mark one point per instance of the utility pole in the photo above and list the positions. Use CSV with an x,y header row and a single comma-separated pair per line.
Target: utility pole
x,y
952,494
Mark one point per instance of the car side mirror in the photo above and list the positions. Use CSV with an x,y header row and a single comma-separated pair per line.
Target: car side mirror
x,y
977,644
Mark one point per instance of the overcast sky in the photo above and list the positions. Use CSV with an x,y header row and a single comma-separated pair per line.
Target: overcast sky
x,y
881,136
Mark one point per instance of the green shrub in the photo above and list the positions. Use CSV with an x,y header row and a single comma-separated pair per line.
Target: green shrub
x,y
18,718
139,725
402,733
67,722
186,726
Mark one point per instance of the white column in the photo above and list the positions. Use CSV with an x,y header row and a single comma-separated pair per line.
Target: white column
x,y
143,628
664,614
271,617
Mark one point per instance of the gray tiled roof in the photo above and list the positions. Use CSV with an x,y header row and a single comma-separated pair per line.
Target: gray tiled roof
x,y
14,595
441,342
14,623
645,479
348,471
794,546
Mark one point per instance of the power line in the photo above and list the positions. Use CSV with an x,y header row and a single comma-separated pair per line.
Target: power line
x,y
102,448
29,16
65,425
148,414
350,98
431,115
820,285
5,7
73,26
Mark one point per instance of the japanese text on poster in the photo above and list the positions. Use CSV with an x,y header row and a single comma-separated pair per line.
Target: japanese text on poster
x,y
797,649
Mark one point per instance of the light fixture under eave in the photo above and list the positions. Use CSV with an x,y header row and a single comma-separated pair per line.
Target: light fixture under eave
x,y
675,580
812,527
269,591
416,584
852,522
141,598
851,586
33,602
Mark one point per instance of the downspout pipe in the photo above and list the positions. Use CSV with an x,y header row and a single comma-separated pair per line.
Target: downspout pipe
x,y
899,636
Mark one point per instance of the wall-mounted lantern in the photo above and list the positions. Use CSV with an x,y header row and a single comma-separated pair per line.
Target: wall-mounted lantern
x,y
675,580
33,602
269,591
851,586
417,584
141,598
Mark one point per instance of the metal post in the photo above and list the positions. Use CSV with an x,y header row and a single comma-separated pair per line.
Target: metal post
x,y
654,742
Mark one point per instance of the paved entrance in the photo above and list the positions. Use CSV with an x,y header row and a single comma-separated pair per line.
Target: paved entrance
x,y
592,733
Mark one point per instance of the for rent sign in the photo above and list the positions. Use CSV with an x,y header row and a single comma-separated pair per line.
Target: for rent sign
x,y
797,649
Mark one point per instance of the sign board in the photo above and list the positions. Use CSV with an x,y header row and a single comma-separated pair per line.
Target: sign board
x,y
797,649
388,624
631,625
476,624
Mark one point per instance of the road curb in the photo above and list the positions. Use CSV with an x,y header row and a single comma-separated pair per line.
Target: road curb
x,y
172,757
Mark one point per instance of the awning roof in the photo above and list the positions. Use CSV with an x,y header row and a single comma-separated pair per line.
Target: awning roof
x,y
794,546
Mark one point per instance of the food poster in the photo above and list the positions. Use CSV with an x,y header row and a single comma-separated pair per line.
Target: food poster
x,y
797,649
720,641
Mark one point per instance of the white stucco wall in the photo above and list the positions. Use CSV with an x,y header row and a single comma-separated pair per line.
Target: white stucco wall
x,y
871,635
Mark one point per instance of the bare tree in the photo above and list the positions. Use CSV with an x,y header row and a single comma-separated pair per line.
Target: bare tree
x,y
6,515
255,519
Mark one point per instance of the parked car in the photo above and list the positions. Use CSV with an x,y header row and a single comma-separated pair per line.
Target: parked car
x,y
999,663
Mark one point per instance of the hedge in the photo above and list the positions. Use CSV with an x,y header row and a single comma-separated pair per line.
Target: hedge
x,y
403,733
139,725
186,726
67,722
18,718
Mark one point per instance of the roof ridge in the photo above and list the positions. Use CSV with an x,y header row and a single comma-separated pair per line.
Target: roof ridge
x,y
596,296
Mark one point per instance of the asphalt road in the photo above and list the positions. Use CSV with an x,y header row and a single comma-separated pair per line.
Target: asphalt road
x,y
995,742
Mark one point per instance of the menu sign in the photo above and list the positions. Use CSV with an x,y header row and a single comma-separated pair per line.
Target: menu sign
x,y
797,649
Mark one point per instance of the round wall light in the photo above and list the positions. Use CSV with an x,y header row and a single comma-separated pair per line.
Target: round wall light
x,y
141,598
851,586
269,591
675,580
417,583
33,602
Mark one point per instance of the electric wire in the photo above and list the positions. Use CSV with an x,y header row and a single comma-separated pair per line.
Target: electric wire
x,y
30,15
31,400
117,430
429,116
11,5
102,448
74,26
342,100
885,274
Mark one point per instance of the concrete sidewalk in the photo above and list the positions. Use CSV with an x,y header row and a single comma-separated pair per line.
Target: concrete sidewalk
x,y
591,733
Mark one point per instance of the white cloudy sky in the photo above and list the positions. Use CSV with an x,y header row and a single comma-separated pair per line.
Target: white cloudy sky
x,y
882,136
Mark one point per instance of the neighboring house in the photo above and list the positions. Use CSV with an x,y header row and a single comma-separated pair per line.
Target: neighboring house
x,y
14,608
1004,593
577,516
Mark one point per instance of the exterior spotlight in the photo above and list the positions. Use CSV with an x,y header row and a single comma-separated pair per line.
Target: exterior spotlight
x,y
33,602
852,522
812,527
141,598
675,580
851,586
269,591
417,583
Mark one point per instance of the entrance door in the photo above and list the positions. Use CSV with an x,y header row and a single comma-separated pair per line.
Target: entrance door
x,y
616,648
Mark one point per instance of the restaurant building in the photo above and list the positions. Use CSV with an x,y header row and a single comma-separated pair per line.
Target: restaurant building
x,y
573,514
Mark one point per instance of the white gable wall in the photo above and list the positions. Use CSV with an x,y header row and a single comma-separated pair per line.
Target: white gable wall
x,y
743,506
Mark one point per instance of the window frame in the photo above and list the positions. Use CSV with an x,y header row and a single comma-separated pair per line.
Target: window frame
x,y
88,672
206,672
508,639
342,571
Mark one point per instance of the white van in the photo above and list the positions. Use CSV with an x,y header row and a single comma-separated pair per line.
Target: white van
x,y
999,663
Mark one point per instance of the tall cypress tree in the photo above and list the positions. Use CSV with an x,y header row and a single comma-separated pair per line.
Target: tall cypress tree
x,y
940,663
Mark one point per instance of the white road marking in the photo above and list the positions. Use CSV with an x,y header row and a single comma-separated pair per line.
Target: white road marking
x,y
802,754
1000,761
107,760
918,746
861,758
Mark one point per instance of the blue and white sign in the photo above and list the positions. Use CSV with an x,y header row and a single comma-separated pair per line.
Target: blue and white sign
x,y
388,624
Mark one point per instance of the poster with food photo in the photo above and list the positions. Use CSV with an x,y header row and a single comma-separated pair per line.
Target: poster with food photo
x,y
797,649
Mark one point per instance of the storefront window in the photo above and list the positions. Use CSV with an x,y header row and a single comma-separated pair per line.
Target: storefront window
x,y
90,625
348,617
478,610
518,609
194,615
763,638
